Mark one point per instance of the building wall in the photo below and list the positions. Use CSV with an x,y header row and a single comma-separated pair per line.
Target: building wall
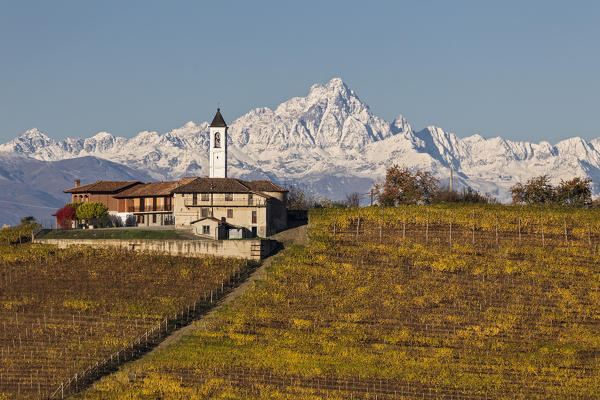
x,y
252,249
276,216
153,218
218,155
185,212
108,199
218,199
281,196
216,232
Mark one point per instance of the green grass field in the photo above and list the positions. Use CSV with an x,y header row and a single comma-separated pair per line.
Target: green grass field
x,y
117,233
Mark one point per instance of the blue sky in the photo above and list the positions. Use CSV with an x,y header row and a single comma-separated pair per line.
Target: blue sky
x,y
521,70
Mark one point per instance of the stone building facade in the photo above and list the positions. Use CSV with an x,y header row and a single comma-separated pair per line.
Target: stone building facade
x,y
213,207
233,201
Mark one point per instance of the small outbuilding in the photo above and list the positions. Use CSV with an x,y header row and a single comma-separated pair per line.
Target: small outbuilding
x,y
217,229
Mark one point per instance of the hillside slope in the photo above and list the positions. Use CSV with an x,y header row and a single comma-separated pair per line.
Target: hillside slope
x,y
33,187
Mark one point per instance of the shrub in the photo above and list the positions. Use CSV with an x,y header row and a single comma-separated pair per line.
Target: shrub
x,y
65,216
538,190
92,211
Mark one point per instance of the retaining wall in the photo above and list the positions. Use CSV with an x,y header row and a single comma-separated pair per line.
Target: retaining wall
x,y
251,249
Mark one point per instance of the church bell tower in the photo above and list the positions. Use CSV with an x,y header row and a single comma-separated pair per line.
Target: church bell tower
x,y
218,147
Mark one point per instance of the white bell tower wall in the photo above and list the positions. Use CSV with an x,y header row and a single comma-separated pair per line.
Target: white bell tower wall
x,y
218,152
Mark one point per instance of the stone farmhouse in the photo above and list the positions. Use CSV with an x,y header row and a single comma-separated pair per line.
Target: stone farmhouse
x,y
215,207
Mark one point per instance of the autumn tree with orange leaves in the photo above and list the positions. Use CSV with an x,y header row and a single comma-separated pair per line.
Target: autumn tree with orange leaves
x,y
401,186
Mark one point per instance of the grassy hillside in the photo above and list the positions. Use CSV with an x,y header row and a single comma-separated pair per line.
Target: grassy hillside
x,y
418,302
117,233
64,312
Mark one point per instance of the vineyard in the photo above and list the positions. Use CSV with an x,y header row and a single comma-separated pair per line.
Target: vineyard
x,y
68,316
417,302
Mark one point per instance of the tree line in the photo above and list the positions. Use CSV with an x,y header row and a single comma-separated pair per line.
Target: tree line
x,y
404,186
539,190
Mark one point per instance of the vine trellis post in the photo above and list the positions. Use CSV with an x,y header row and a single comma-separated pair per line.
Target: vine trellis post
x,y
450,232
427,229
334,229
542,226
404,223
497,240
589,236
473,220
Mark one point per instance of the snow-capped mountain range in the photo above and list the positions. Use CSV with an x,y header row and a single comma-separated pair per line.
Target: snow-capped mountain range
x,y
329,142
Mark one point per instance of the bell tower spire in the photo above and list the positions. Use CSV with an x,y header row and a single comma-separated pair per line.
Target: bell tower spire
x,y
218,147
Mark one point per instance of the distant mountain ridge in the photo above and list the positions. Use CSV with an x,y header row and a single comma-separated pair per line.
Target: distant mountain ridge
x,y
330,142
33,187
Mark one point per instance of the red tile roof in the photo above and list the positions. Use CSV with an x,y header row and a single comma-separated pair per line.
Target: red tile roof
x,y
214,185
228,185
103,187
153,189
265,186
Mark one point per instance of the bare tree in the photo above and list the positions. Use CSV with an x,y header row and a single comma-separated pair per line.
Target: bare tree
x,y
353,199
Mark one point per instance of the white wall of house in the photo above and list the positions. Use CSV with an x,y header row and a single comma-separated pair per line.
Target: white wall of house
x,y
238,211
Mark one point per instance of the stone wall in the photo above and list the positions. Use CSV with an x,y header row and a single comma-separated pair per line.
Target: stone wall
x,y
255,249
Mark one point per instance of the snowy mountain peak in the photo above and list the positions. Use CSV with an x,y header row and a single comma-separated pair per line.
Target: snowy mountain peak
x,y
401,125
102,136
330,142
31,141
34,134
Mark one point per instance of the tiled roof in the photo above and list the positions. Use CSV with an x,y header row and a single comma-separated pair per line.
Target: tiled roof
x,y
153,189
228,185
103,187
214,185
186,180
265,186
218,121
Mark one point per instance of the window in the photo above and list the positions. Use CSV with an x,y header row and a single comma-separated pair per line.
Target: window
x,y
254,217
204,212
228,196
230,213
205,197
250,198
217,140
194,199
206,229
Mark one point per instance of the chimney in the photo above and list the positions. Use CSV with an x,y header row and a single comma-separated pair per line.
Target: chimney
x,y
77,182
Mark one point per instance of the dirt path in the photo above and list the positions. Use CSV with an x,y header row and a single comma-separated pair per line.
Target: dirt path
x,y
298,235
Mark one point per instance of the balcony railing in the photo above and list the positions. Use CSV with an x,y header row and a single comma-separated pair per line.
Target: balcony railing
x,y
149,209
223,203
